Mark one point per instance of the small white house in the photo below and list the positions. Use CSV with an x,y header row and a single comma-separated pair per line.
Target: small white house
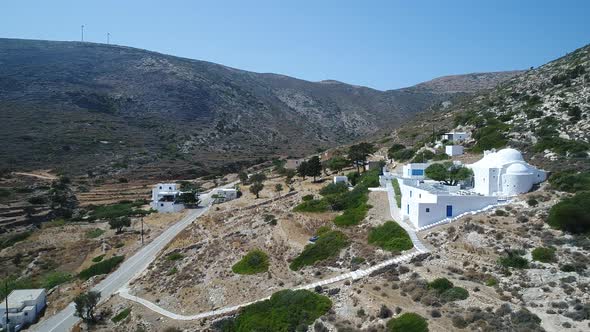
x,y
293,163
24,308
455,136
414,171
225,194
504,173
165,198
427,202
341,179
454,150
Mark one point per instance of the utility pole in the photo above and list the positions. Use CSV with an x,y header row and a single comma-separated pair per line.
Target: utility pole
x,y
82,31
6,302
108,37
142,231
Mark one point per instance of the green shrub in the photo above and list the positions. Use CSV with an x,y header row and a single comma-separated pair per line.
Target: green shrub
x,y
423,156
121,315
398,192
12,239
408,322
403,155
36,200
568,268
307,198
454,294
353,177
352,216
286,310
334,188
571,214
94,233
491,281
175,256
514,260
357,260
123,209
390,236
327,245
545,255
256,261
570,181
440,285
56,278
98,258
394,148
103,267
313,205
490,136
532,202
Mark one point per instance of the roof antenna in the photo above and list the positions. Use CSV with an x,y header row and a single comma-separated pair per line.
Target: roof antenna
x,y
82,31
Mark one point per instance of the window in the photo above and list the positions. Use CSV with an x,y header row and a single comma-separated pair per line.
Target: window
x,y
419,195
410,193
170,188
161,204
427,209
419,172
160,187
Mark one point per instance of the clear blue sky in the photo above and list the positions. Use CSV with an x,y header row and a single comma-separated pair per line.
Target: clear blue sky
x,y
381,44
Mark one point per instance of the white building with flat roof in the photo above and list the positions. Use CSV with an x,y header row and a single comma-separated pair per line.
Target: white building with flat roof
x,y
165,198
24,308
505,173
455,136
454,150
427,202
414,170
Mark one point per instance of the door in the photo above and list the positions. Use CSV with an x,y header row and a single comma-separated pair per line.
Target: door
x,y
449,210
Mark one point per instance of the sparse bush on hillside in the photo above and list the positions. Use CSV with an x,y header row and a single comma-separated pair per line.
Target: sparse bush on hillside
x,y
545,255
286,310
256,261
390,236
403,155
514,260
393,149
408,322
571,214
570,181
334,188
327,245
314,205
103,267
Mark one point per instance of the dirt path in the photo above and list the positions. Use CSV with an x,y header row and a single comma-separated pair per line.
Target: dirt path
x,y
39,175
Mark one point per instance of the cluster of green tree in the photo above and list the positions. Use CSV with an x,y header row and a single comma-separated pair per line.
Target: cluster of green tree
x,y
121,209
103,267
256,183
359,153
492,135
11,239
354,202
338,163
426,155
399,153
286,310
570,181
311,167
572,214
85,305
446,291
448,173
407,322
62,199
390,236
327,245
255,261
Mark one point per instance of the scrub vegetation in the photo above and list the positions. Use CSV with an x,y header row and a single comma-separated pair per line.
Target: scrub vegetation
x,y
327,245
390,236
256,261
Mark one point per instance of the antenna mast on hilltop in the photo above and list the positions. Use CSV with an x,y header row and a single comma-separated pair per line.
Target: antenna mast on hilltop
x,y
108,38
82,31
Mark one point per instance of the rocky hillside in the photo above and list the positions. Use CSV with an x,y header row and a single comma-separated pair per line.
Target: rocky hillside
x,y
82,107
468,83
544,111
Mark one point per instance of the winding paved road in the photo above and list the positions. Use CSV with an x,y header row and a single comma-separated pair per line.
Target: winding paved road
x,y
64,320
418,245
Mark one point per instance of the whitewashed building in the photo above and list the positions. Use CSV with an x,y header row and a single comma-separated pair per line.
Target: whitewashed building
x,y
455,136
454,150
225,195
504,173
24,308
165,198
341,179
414,171
426,202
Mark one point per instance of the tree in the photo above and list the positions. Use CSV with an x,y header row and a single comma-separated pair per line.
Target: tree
x,y
256,188
449,173
337,163
302,169
571,214
314,167
278,188
257,177
358,154
119,223
394,148
190,198
289,174
243,176
85,304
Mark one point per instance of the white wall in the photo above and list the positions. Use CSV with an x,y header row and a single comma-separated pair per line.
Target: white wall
x,y
167,207
454,150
